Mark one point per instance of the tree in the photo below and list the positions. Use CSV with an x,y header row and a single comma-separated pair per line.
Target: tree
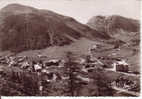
x,y
103,83
72,69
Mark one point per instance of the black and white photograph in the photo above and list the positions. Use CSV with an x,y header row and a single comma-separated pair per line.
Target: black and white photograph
x,y
74,48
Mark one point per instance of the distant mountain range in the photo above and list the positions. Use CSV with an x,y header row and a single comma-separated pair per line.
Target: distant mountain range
x,y
115,26
25,28
112,24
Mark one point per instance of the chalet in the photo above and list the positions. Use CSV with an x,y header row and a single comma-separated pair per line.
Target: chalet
x,y
52,62
122,66
94,48
50,76
62,63
91,66
37,67
25,65
45,71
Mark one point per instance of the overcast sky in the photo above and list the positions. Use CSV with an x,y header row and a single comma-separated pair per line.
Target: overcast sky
x,y
82,10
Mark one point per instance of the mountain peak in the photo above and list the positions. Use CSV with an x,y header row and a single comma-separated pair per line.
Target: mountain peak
x,y
14,5
113,23
17,8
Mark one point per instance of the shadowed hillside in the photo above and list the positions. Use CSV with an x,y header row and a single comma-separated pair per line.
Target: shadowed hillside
x,y
24,28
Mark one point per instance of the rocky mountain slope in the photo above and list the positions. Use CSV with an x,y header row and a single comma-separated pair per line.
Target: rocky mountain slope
x,y
121,29
24,28
112,24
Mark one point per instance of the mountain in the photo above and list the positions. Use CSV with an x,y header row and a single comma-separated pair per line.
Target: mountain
x,y
112,25
119,28
25,28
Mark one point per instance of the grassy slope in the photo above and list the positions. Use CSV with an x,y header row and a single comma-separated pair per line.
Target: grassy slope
x,y
81,47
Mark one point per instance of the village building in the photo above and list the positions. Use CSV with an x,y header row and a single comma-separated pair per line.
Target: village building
x,y
121,66
37,67
25,65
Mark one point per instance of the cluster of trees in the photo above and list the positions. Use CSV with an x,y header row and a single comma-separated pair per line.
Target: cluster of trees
x,y
18,83
76,85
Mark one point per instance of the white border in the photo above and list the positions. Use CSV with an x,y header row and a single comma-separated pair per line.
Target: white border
x,y
60,97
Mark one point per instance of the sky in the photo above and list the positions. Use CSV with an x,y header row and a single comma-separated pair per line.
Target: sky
x,y
83,10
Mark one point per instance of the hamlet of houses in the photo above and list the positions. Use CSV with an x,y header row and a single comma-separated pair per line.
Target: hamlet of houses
x,y
52,68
